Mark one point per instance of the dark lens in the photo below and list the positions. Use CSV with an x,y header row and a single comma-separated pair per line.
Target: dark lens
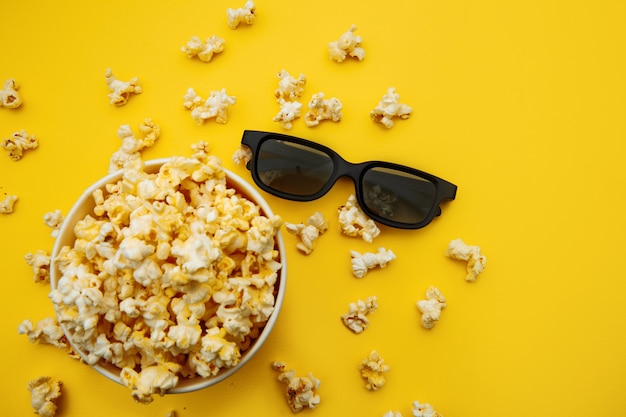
x,y
397,195
293,168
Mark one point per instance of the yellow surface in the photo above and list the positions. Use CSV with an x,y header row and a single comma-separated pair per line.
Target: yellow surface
x,y
520,103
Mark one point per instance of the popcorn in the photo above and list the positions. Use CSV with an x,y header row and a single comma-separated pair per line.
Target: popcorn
x,y
6,205
242,155
348,44
9,97
476,262
308,233
289,87
18,143
356,319
121,90
354,222
362,263
203,50
46,331
301,391
389,107
289,111
45,391
392,414
373,370
431,307
54,220
322,109
424,410
216,106
241,15
132,145
40,262
173,274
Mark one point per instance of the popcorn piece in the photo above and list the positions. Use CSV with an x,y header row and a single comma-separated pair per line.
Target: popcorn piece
x,y
18,143
431,307
289,87
45,391
424,410
155,379
301,391
356,319
54,220
289,111
203,50
9,97
241,15
348,44
361,263
389,107
121,90
354,222
46,331
373,369
321,109
40,262
216,106
132,145
392,414
6,205
308,233
242,155
476,262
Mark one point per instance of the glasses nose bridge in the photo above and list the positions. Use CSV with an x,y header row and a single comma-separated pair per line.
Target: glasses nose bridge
x,y
350,170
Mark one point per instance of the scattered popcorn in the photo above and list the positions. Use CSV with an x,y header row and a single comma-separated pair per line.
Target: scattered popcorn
x,y
322,109
44,393
308,233
362,263
9,97
132,145
389,107
392,414
431,307
18,143
289,111
241,15
203,50
242,155
46,332
354,222
348,44
301,391
172,275
476,262
121,90
424,410
54,220
356,319
216,106
6,205
40,262
289,87
373,369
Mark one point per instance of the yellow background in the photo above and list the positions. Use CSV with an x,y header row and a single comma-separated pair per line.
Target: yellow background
x,y
519,103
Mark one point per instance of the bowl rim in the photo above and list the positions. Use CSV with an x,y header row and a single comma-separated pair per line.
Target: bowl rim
x,y
184,385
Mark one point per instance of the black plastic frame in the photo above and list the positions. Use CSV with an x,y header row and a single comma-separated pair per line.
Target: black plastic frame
x,y
341,168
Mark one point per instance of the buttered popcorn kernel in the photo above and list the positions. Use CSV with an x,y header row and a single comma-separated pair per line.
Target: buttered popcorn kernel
x,y
348,44
289,87
120,91
355,223
7,204
173,275
19,143
424,410
242,155
40,263
431,307
308,233
321,109
362,263
301,391
373,370
9,97
195,47
44,391
289,111
476,261
46,332
355,319
389,108
214,107
245,14
133,144
54,220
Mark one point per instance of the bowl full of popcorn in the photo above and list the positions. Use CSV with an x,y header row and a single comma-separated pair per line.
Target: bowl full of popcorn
x,y
168,276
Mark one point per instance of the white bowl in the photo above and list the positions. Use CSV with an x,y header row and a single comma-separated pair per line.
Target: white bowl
x,y
85,205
